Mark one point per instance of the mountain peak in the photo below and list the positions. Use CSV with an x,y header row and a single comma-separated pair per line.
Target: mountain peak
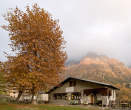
x,y
94,55
101,68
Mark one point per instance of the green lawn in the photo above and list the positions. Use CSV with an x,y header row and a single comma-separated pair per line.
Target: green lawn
x,y
40,107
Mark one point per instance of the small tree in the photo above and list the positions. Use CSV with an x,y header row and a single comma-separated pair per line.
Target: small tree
x,y
39,45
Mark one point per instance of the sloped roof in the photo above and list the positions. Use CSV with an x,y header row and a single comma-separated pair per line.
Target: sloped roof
x,y
84,80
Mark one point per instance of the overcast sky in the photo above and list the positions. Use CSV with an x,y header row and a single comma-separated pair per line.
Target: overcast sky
x,y
102,26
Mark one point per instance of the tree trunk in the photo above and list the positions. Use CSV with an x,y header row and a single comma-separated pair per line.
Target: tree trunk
x,y
19,95
33,94
32,98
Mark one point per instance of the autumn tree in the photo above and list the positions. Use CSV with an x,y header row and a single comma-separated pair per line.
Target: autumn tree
x,y
124,93
37,40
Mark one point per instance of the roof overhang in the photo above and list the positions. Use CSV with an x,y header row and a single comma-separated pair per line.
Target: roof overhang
x,y
90,81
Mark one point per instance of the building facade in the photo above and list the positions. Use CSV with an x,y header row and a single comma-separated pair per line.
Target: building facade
x,y
79,91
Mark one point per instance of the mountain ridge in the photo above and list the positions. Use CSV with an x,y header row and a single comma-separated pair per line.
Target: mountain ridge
x,y
99,68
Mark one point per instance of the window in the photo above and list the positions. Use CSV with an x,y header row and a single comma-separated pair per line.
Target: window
x,y
72,83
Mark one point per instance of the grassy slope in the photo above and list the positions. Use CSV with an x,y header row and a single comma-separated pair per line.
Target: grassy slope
x,y
40,107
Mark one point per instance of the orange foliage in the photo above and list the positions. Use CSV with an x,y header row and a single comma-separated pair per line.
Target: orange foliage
x,y
39,45
124,93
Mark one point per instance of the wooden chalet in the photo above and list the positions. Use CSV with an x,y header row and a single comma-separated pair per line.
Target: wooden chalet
x,y
79,91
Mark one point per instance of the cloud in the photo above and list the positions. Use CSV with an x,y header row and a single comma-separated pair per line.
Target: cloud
x,y
102,26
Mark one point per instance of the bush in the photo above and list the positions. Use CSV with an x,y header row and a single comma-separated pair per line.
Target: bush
x,y
3,100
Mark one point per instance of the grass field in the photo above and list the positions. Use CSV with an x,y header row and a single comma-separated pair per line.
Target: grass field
x,y
41,107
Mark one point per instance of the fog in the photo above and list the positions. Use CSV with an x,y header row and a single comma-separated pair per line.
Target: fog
x,y
101,26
